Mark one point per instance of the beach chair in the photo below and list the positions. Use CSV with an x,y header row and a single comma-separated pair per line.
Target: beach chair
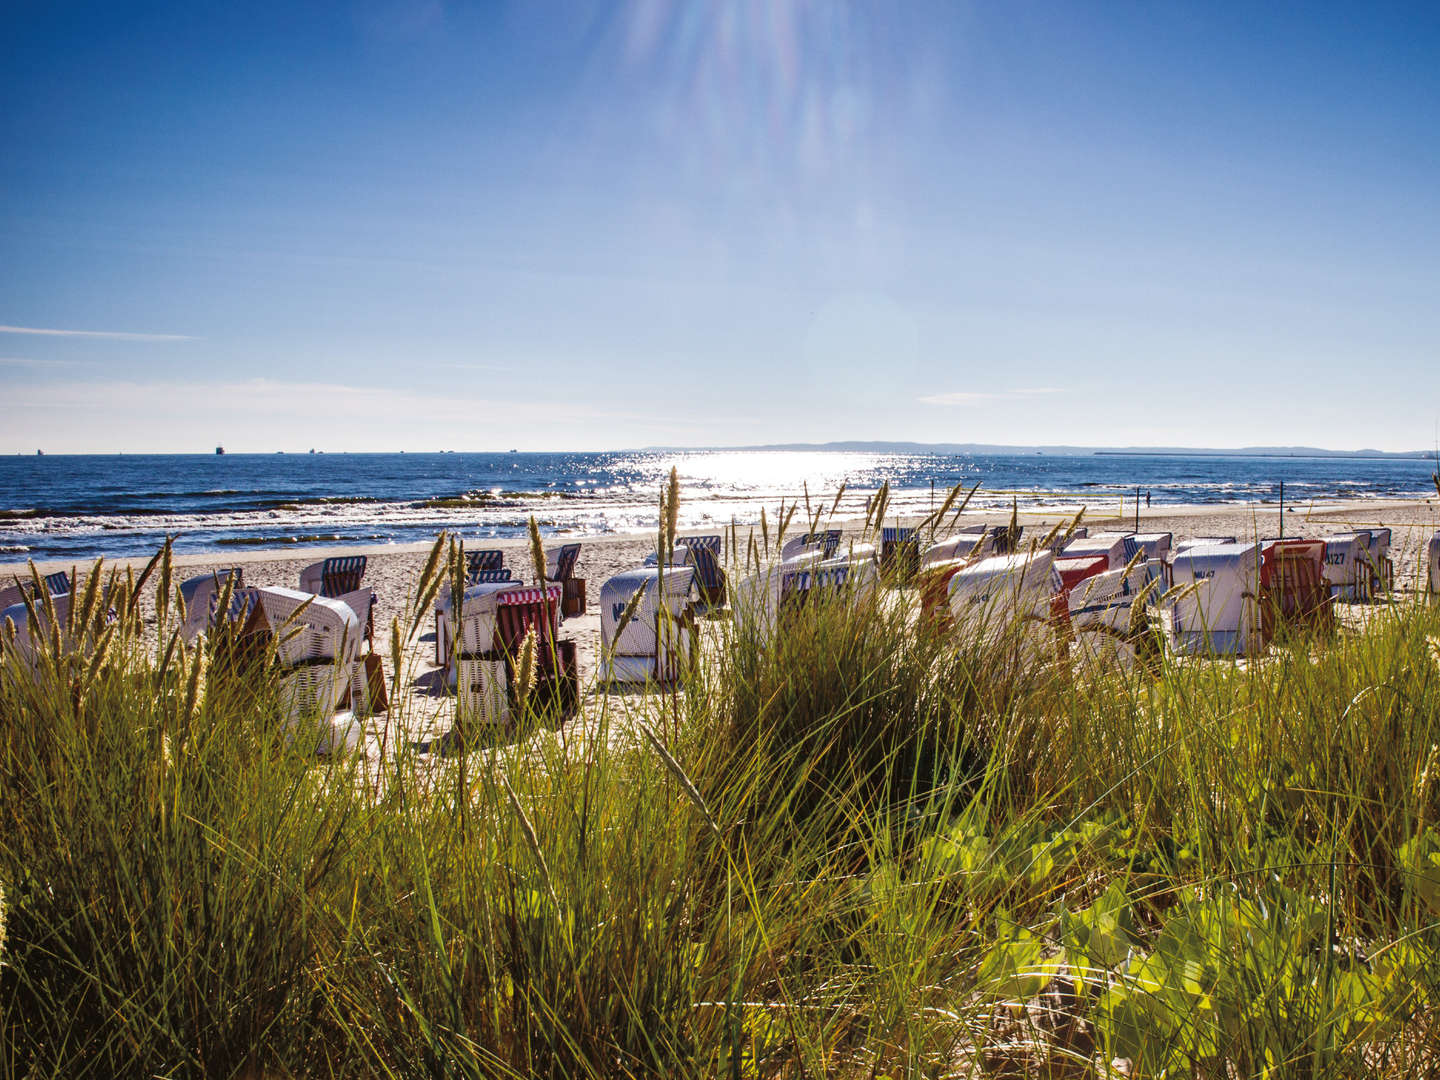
x,y
56,584
333,577
24,638
1006,595
1220,615
317,641
1148,546
493,622
801,587
1111,545
199,596
1347,568
655,645
484,562
899,552
1432,562
560,569
705,552
826,542
961,544
1003,539
1293,591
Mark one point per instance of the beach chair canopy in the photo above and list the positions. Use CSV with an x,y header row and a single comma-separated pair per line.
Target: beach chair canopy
x,y
1203,541
31,635
997,590
956,546
472,619
308,627
1149,546
1110,545
1219,615
200,595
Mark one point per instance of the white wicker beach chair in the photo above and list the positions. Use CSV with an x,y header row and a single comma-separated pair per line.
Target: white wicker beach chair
x,y
655,645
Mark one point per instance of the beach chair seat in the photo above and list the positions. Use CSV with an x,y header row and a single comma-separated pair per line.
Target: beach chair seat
x,y
535,610
1382,570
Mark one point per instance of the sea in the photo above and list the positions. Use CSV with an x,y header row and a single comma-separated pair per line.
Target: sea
x,y
83,506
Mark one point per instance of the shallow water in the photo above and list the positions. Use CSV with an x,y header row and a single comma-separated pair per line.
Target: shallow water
x,y
82,506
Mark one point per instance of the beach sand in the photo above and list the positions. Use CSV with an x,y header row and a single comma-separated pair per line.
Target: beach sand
x,y
393,572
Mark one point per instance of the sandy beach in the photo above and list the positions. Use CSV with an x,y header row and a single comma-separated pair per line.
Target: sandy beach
x,y
393,570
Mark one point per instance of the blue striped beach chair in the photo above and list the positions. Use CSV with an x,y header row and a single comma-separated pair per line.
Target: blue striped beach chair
x,y
705,558
341,575
477,561
829,537
899,551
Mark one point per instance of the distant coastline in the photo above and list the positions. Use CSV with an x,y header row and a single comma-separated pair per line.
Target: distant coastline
x,y
882,447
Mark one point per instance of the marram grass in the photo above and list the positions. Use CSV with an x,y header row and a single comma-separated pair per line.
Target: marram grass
x,y
864,849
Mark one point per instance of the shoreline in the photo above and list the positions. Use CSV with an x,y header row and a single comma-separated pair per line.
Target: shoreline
x,y
1167,517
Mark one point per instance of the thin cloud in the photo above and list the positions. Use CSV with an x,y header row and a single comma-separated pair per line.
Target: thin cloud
x,y
114,335
969,397
30,361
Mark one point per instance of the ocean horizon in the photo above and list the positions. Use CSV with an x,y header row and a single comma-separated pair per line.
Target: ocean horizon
x,y
83,506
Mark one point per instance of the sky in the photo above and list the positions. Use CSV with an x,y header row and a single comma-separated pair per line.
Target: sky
x,y
391,225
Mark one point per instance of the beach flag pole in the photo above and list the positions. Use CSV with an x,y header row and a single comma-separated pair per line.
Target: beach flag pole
x,y
1137,511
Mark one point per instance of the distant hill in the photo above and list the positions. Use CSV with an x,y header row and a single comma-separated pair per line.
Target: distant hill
x,y
880,447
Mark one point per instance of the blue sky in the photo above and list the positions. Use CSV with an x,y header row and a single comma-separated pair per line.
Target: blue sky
x,y
393,225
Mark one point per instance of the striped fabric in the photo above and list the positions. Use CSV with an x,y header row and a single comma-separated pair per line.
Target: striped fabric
x,y
57,583
705,558
518,611
480,577
797,585
478,561
341,575
830,538
565,564
1132,547
710,543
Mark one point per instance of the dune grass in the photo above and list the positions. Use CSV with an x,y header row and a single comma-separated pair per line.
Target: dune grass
x,y
864,848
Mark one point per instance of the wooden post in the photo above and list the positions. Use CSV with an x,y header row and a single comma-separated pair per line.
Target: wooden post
x,y
1282,509
1137,510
